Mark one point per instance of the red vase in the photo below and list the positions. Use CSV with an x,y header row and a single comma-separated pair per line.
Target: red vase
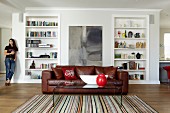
x,y
101,80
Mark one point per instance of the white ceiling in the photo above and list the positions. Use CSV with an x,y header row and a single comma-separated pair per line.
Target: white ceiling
x,y
7,7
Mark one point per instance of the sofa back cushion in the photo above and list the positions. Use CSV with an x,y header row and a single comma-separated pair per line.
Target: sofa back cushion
x,y
110,71
85,70
99,70
69,73
58,73
64,66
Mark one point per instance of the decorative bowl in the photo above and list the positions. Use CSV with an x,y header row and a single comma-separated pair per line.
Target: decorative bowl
x,y
89,79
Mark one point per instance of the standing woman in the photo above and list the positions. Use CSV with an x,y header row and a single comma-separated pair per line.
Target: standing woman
x,y
10,53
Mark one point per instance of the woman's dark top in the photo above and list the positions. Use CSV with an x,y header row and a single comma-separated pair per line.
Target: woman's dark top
x,y
9,50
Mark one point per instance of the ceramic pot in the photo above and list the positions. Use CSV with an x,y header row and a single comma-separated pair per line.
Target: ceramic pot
x,y
130,34
138,55
137,35
101,80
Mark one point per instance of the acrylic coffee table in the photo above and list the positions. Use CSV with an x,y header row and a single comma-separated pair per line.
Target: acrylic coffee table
x,y
87,87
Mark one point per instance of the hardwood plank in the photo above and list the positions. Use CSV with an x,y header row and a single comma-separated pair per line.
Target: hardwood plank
x,y
157,96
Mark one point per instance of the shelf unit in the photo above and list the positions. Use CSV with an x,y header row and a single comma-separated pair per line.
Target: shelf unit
x,y
42,45
130,37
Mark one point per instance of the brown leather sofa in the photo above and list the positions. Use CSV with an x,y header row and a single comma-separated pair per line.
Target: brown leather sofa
x,y
54,77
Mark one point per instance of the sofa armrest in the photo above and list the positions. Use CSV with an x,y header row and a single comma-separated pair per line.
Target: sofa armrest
x,y
46,75
123,75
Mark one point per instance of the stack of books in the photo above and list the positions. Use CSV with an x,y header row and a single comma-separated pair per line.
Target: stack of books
x,y
44,45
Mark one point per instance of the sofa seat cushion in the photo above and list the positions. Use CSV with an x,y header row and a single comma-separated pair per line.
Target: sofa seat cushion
x,y
78,82
115,82
85,70
62,82
57,82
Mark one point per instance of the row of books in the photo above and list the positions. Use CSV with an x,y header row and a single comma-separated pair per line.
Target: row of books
x,y
41,34
45,66
36,43
41,23
39,45
33,41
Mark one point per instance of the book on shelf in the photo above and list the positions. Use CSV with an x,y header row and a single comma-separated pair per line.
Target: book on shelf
x,y
131,65
44,45
41,34
53,54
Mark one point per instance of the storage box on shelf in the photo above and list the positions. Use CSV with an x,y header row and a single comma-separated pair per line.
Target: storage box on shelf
x,y
131,46
42,44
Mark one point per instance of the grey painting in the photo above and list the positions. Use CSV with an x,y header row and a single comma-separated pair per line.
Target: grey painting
x,y
85,45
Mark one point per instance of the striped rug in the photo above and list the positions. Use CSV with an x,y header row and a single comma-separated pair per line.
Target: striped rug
x,y
84,104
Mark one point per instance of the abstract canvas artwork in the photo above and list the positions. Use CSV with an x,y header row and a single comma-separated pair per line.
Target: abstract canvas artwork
x,y
85,45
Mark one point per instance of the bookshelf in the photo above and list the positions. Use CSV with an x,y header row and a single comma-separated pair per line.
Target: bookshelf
x,y
42,45
131,46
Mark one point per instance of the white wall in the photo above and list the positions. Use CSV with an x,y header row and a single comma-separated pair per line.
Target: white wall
x,y
94,17
5,35
18,35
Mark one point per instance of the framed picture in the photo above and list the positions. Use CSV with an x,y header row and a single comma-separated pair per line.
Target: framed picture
x,y
85,45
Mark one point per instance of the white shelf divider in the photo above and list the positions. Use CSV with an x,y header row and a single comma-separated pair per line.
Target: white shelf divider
x,y
130,49
41,26
130,27
40,58
40,48
36,69
129,59
130,38
41,37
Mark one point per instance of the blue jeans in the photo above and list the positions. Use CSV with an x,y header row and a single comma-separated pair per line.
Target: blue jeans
x,y
10,68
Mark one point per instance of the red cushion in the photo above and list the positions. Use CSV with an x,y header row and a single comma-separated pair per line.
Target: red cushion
x,y
69,73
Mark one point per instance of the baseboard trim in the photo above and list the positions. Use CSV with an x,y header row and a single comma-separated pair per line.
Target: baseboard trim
x,y
144,82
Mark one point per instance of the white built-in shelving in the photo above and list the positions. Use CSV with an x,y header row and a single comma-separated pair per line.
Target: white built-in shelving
x,y
130,37
42,44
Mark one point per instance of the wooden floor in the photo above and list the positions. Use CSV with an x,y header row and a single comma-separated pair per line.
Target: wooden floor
x,y
157,96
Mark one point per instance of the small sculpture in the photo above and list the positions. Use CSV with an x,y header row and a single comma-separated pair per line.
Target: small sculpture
x,y
32,65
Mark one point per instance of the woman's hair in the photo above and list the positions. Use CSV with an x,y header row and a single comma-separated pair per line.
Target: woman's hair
x,y
14,44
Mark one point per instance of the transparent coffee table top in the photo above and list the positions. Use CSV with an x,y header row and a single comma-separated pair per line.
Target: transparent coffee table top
x,y
88,86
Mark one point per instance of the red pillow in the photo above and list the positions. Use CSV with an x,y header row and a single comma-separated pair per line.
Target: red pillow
x,y
69,73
